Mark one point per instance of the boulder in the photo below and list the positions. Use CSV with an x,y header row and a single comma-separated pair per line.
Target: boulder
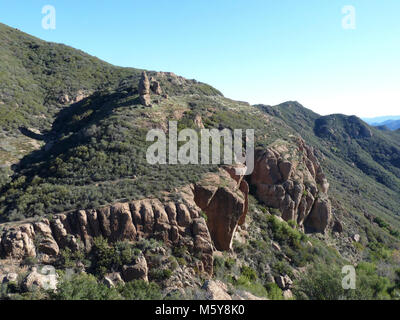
x,y
221,197
319,217
111,280
280,281
337,226
47,279
9,277
276,246
287,294
136,271
216,290
17,242
156,87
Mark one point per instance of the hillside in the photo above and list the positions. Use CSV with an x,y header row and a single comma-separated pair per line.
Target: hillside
x,y
323,194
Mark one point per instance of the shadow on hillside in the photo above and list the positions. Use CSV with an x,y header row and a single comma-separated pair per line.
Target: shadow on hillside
x,y
70,124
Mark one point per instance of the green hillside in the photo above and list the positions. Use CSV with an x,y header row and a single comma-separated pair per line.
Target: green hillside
x,y
58,155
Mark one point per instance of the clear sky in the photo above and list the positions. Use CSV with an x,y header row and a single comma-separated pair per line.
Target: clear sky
x,y
260,51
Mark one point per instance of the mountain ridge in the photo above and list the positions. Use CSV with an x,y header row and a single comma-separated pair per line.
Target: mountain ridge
x,y
90,156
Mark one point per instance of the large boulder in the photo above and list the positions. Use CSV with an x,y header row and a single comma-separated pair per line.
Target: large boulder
x,y
319,217
224,200
46,279
216,290
136,271
17,242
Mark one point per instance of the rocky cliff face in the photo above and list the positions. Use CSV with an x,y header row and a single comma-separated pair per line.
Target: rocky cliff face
x,y
174,222
288,177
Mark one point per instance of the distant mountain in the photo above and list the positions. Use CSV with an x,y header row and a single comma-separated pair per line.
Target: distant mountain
x,y
386,122
389,124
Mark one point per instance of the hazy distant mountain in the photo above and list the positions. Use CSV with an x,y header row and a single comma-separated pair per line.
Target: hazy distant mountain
x,y
390,122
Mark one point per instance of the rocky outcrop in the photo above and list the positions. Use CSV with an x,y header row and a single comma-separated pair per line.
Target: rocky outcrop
x,y
216,290
111,280
223,198
155,86
136,271
35,279
144,90
176,223
289,177
198,121
77,97
320,215
17,242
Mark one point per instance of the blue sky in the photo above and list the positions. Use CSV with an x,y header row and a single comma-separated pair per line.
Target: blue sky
x,y
261,51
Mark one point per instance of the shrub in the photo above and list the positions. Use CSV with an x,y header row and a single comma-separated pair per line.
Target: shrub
x,y
84,287
320,283
274,292
140,290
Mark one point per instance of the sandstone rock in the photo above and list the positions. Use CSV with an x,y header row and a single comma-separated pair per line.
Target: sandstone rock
x,y
145,100
17,242
225,206
287,294
356,238
276,246
121,224
216,290
280,281
10,277
63,99
337,226
288,282
47,244
172,222
144,90
244,295
136,271
47,281
111,280
198,122
156,87
319,217
144,84
292,186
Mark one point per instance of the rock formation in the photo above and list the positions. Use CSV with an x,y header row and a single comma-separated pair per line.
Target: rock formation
x,y
221,196
137,270
144,90
155,86
174,223
224,200
289,178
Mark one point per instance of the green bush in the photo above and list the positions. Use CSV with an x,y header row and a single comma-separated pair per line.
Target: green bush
x,y
140,290
320,283
274,292
84,287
